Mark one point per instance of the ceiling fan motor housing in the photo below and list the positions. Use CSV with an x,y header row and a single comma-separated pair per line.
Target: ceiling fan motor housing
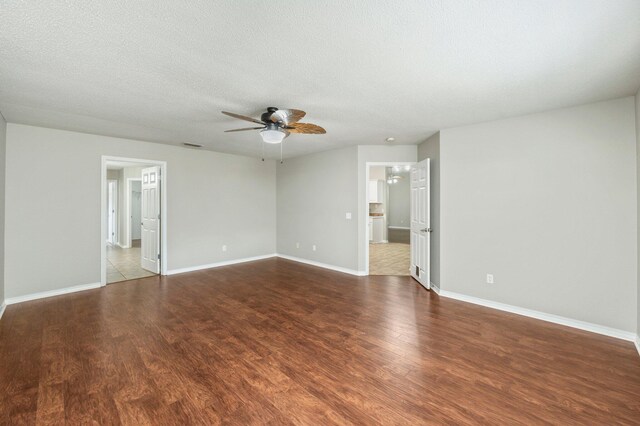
x,y
266,117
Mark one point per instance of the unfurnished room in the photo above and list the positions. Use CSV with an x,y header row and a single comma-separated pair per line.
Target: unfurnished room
x,y
320,212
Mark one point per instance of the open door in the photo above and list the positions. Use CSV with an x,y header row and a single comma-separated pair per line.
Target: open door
x,y
421,223
150,234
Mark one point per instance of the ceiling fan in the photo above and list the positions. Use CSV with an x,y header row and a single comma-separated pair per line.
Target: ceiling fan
x,y
276,124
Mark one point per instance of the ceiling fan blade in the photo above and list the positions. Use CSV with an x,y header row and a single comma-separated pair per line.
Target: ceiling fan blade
x,y
307,128
287,116
242,130
242,117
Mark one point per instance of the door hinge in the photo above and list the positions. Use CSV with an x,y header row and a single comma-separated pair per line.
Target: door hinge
x,y
158,256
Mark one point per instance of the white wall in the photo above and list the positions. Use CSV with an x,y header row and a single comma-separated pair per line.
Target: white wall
x,y
547,203
3,162
377,173
314,193
374,154
431,149
53,186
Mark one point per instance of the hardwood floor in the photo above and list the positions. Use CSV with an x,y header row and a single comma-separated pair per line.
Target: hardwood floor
x,y
277,342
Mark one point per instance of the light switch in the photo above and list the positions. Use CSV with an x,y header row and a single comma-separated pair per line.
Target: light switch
x,y
348,215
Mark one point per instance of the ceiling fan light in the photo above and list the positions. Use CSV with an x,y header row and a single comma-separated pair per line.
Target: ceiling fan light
x,y
272,136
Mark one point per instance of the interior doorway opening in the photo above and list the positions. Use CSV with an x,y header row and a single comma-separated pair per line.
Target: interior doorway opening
x,y
133,219
389,211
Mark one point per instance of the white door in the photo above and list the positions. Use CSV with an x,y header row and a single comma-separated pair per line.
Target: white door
x,y
150,235
112,195
420,223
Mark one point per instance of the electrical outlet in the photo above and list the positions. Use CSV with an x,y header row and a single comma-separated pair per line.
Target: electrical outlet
x,y
313,247
297,245
224,248
489,278
348,215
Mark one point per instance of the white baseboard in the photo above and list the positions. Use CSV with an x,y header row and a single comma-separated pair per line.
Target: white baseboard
x,y
323,265
121,246
594,328
58,292
218,264
2,308
398,227
637,342
435,288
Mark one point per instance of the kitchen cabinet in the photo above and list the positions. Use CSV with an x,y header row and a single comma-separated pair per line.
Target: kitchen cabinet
x,y
376,191
377,229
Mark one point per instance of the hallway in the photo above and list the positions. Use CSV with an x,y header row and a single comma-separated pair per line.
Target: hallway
x,y
124,264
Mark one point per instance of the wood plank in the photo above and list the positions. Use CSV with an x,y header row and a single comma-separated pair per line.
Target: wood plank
x,y
279,342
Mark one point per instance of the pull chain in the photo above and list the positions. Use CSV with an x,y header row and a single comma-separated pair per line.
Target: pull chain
x,y
281,143
262,150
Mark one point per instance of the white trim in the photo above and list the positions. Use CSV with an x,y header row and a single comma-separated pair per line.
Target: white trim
x,y
58,292
434,288
637,342
323,265
2,308
586,326
365,213
164,250
122,246
398,227
266,256
218,264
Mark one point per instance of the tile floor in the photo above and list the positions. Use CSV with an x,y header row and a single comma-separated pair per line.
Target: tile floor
x,y
389,259
124,264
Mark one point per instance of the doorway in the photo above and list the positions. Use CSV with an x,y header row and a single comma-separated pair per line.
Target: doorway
x,y
389,210
135,248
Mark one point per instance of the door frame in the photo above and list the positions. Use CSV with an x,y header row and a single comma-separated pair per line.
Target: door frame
x,y
164,255
368,165
116,212
128,221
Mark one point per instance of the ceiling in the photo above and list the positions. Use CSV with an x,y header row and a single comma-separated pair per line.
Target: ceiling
x,y
365,70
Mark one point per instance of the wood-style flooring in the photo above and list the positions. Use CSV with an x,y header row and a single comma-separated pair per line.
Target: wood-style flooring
x,y
277,342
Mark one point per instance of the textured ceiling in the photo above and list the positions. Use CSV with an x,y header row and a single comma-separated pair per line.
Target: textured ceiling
x,y
163,70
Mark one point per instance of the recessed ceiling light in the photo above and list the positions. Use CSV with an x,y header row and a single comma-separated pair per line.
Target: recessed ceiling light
x,y
390,139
